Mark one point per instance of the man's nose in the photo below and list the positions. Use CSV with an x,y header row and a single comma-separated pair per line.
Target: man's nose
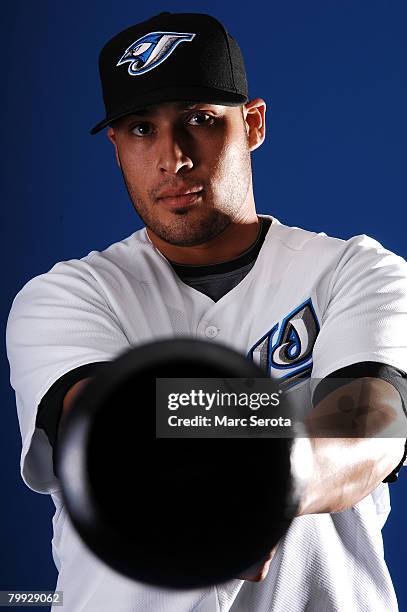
x,y
173,156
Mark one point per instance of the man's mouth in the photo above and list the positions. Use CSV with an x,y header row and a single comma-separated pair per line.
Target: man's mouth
x,y
180,197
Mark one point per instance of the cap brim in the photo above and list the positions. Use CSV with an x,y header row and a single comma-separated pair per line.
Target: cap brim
x,y
175,94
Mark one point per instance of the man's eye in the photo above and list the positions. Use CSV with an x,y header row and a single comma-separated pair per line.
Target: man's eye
x,y
200,119
141,129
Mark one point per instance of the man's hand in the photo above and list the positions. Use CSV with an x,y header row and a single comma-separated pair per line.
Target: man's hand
x,y
70,397
259,571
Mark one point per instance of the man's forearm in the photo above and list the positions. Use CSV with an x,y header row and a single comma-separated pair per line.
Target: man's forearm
x,y
346,470
346,467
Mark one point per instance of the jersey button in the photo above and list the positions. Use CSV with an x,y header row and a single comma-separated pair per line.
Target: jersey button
x,y
211,331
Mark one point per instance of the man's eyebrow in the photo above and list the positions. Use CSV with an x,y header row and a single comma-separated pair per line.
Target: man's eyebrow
x,y
152,110
189,105
141,112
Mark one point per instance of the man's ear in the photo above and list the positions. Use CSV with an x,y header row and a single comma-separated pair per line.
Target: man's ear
x,y
254,114
112,137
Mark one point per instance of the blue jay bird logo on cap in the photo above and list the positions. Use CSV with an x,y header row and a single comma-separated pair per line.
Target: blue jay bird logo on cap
x,y
151,50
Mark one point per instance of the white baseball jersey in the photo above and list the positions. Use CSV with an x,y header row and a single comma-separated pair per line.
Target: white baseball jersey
x,y
342,302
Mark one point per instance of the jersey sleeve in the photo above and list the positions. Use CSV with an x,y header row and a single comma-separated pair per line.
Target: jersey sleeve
x,y
58,321
51,406
364,317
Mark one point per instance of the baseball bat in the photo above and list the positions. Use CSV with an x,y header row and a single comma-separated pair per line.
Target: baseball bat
x,y
177,513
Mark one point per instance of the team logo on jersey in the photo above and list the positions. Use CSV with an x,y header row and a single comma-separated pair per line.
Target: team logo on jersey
x,y
286,350
151,50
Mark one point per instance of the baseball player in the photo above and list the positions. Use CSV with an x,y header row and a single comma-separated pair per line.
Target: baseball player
x,y
207,265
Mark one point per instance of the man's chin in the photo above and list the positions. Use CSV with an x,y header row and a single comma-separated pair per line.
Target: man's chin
x,y
188,232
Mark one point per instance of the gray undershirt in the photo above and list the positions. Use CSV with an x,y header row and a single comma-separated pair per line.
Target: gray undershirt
x,y
217,285
215,281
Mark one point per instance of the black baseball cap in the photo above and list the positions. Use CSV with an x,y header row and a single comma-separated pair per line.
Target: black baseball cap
x,y
170,57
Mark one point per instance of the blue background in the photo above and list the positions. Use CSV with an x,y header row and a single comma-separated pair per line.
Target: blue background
x,y
333,74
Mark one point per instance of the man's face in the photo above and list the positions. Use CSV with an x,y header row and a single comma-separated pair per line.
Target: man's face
x,y
187,168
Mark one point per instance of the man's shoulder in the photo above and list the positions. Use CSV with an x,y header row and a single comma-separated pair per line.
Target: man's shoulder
x,y
87,275
315,244
119,252
300,240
